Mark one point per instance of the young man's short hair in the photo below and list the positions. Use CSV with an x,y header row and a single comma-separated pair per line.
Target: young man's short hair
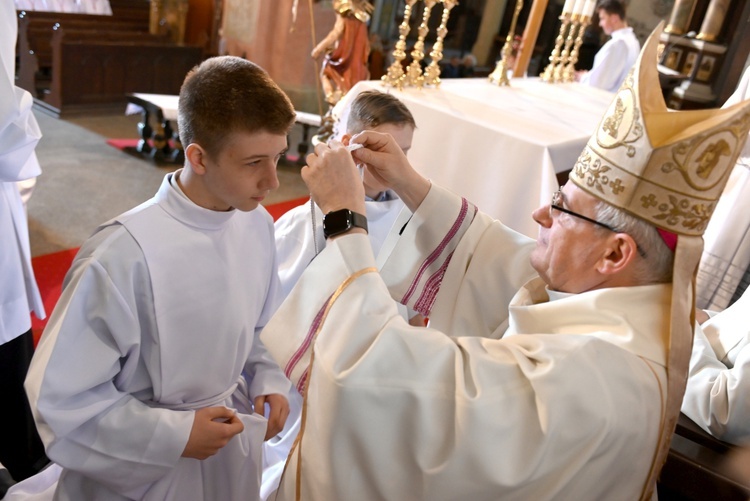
x,y
373,108
612,7
228,94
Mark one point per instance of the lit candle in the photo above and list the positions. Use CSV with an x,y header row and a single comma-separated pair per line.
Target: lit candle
x,y
568,7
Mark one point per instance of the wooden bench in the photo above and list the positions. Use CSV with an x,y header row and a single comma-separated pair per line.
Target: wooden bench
x,y
699,467
35,32
90,75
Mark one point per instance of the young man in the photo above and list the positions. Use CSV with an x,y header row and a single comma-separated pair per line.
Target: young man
x,y
299,237
150,381
613,61
299,233
519,389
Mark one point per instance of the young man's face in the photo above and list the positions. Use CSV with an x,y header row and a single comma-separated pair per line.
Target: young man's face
x,y
568,248
608,22
244,171
403,134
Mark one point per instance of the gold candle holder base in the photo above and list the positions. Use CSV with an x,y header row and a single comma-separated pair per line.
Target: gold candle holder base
x,y
554,59
500,75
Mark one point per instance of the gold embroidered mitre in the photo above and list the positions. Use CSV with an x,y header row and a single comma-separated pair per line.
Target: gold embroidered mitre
x,y
666,167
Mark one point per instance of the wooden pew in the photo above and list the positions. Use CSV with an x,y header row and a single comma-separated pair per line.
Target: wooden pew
x,y
700,467
90,74
35,30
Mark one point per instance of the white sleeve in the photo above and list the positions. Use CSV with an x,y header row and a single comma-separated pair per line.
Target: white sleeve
x,y
717,396
84,374
295,247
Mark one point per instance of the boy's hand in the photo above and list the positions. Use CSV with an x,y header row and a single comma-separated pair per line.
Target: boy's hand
x,y
279,411
389,166
333,179
213,428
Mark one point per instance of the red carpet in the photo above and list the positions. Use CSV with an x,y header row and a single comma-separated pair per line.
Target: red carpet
x,y
50,269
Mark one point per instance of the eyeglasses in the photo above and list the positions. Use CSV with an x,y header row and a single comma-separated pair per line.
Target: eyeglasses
x,y
556,203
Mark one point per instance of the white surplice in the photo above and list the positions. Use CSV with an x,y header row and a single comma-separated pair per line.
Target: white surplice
x,y
296,240
726,252
613,61
19,134
537,400
159,316
717,396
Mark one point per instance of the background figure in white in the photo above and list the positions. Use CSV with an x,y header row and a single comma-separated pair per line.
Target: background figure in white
x,y
299,235
726,252
717,396
21,451
614,60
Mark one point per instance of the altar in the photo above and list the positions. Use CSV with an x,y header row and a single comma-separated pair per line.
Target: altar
x,y
500,147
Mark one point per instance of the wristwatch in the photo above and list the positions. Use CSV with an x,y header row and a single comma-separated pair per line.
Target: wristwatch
x,y
341,221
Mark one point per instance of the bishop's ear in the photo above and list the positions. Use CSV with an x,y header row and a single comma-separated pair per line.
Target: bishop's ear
x,y
621,251
346,138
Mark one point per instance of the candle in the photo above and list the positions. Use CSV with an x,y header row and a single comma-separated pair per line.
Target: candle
x,y
578,9
588,8
568,7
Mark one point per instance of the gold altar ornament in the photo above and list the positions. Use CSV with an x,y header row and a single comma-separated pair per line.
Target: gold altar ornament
x,y
360,9
500,75
395,76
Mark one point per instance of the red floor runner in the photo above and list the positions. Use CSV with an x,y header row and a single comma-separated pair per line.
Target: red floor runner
x,y
50,269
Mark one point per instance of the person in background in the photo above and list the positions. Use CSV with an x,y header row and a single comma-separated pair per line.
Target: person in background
x,y
21,450
614,60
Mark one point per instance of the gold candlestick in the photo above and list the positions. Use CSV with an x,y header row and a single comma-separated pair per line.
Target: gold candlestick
x,y
565,55
569,73
500,74
394,77
432,73
554,59
414,71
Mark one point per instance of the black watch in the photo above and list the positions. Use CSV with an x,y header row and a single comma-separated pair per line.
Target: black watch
x,y
341,221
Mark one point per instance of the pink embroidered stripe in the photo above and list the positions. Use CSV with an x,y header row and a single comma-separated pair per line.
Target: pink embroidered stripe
x,y
303,381
426,300
292,363
434,255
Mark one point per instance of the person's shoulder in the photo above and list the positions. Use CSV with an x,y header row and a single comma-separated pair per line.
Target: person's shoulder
x,y
296,219
111,248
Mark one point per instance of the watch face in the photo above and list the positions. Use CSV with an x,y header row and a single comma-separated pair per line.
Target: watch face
x,y
337,222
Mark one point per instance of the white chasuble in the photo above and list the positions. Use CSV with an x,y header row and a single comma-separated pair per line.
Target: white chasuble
x,y
159,317
565,405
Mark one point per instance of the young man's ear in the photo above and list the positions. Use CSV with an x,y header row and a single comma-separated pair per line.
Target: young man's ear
x,y
621,251
196,158
346,138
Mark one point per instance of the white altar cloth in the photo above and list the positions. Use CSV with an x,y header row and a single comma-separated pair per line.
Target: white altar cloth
x,y
500,147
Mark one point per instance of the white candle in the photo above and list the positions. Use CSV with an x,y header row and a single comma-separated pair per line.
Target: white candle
x,y
588,8
568,7
578,9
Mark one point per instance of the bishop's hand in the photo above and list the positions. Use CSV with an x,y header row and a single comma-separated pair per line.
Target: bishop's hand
x,y
333,179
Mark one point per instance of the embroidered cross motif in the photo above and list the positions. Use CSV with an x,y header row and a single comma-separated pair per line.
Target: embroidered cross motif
x,y
648,201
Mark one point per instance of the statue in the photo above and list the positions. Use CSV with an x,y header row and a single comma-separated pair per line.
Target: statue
x,y
346,50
